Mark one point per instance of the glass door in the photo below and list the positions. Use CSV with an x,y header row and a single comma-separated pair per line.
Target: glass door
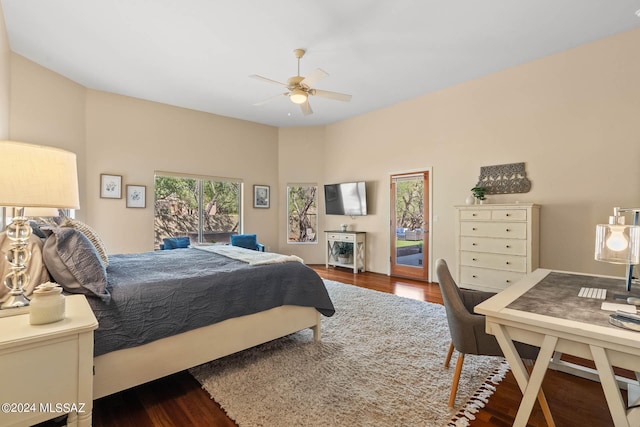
x,y
409,225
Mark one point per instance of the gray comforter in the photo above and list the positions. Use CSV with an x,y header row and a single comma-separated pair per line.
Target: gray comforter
x,y
163,293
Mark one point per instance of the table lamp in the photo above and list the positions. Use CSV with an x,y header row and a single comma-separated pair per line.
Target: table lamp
x,y
33,176
618,243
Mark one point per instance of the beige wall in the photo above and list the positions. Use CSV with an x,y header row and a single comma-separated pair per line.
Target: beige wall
x,y
562,115
48,109
134,138
301,156
5,78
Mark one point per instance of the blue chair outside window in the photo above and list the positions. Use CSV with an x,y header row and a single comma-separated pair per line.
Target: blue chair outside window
x,y
175,243
247,241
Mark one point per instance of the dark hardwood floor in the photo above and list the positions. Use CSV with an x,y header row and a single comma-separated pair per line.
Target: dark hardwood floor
x,y
178,400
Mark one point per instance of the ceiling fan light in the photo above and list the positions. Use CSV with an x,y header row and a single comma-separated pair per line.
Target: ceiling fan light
x,y
298,96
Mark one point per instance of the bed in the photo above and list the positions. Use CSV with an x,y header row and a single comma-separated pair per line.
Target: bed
x,y
166,311
242,325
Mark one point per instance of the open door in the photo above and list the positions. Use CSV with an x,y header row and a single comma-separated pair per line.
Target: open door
x,y
410,225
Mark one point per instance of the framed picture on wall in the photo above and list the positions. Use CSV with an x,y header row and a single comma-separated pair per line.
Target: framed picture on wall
x,y
136,196
261,196
110,186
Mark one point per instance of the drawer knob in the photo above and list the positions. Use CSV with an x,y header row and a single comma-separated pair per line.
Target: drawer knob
x,y
508,229
474,244
508,281
474,259
473,214
474,229
507,263
508,246
506,215
474,276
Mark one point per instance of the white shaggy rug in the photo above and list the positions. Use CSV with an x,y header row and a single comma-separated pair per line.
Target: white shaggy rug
x,y
380,363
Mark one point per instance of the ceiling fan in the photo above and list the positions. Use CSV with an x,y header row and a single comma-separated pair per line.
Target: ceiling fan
x,y
301,87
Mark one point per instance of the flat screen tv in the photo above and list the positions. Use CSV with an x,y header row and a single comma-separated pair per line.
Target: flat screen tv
x,y
347,198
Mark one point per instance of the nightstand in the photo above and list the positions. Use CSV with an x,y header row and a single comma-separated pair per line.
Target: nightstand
x,y
47,370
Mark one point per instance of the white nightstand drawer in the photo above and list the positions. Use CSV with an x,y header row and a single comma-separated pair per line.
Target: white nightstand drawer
x,y
475,214
496,261
488,278
341,237
491,245
507,230
509,215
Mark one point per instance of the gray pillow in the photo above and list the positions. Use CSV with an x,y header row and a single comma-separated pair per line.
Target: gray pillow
x,y
74,263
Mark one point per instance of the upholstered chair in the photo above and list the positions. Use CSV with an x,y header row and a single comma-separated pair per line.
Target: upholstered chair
x,y
247,241
467,330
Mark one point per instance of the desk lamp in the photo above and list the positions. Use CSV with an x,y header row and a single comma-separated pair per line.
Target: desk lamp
x,y
32,176
618,243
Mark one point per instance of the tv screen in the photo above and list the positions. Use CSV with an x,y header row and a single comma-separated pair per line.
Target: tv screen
x,y
347,198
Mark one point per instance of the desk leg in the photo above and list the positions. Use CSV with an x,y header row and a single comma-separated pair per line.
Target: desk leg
x,y
610,387
530,386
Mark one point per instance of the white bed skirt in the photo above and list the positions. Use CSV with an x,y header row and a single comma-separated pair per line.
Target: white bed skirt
x,y
123,369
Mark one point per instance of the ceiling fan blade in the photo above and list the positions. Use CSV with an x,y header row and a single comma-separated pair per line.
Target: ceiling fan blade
x,y
271,98
314,77
306,108
331,95
264,79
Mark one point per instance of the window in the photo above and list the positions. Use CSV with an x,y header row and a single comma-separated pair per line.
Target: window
x,y
302,202
206,209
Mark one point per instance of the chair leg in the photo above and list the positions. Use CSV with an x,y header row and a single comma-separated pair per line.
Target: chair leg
x,y
542,399
456,380
449,354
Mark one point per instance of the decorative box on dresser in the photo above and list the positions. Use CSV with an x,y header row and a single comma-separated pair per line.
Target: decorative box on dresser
x,y
47,370
497,244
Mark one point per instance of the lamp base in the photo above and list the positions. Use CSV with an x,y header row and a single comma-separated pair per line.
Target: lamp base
x,y
15,301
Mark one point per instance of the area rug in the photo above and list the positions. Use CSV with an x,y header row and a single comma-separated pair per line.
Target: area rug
x,y
380,363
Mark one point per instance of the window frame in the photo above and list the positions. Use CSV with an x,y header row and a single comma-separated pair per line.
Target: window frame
x,y
200,181
314,226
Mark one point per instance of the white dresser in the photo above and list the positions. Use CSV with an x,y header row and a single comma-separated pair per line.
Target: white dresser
x,y
497,244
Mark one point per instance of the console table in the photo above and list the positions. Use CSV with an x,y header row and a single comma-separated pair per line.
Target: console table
x,y
543,309
357,241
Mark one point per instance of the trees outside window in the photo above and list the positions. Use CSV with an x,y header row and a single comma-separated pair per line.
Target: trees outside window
x,y
205,209
302,202
410,203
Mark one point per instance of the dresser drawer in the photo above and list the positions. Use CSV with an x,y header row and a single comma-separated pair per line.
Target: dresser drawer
x,y
496,246
486,278
507,230
497,261
475,214
509,215
341,237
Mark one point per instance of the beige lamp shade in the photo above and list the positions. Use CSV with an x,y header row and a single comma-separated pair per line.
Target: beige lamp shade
x,y
37,176
41,212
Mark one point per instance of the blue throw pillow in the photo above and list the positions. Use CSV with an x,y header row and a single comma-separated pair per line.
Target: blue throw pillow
x,y
176,242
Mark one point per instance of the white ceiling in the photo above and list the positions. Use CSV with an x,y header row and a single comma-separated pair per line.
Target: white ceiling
x,y
198,54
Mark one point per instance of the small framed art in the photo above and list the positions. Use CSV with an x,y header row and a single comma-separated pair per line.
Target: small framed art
x,y
110,186
136,196
261,196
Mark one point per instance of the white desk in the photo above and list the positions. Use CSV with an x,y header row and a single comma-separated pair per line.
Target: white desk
x,y
543,309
